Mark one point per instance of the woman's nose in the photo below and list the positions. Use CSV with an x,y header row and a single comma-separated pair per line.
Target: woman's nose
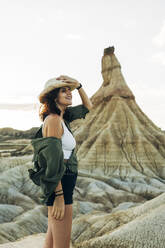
x,y
69,93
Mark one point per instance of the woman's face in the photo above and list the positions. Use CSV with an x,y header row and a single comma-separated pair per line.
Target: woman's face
x,y
65,96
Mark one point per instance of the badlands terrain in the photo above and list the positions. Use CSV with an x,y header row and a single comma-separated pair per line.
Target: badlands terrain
x,y
119,198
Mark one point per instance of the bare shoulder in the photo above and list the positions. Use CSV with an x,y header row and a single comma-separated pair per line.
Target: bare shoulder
x,y
52,117
53,126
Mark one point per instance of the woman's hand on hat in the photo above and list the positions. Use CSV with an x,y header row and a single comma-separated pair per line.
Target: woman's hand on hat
x,y
68,80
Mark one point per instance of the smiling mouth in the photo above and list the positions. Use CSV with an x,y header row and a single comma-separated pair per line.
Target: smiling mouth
x,y
69,98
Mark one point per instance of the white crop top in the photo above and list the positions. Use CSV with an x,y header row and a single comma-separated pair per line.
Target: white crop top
x,y
68,141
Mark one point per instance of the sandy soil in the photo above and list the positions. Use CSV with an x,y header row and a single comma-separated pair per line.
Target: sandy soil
x,y
35,240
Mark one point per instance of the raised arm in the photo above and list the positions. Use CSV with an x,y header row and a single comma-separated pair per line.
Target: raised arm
x,y
85,99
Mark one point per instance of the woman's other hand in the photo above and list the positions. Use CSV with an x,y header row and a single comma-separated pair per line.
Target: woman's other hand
x,y
69,80
58,209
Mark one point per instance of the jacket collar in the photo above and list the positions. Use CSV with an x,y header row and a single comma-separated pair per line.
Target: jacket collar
x,y
39,143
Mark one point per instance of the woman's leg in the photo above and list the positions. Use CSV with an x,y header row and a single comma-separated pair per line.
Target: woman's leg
x,y
61,229
49,237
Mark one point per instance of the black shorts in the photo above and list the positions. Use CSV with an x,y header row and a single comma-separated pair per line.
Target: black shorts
x,y
68,182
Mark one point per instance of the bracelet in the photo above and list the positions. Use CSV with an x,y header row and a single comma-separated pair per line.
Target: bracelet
x,y
79,86
59,194
58,190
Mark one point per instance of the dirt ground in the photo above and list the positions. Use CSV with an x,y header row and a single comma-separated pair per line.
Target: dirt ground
x,y
35,240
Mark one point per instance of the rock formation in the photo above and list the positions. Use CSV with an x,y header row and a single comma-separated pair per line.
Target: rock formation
x,y
8,133
15,147
140,227
117,141
13,142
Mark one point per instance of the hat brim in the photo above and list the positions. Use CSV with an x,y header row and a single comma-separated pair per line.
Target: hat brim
x,y
43,93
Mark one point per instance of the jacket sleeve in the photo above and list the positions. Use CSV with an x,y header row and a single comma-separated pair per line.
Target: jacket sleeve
x,y
77,112
52,158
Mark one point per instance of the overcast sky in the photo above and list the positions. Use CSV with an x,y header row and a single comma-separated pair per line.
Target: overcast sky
x,y
41,39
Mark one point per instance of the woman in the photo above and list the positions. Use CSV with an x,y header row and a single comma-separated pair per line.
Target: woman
x,y
56,97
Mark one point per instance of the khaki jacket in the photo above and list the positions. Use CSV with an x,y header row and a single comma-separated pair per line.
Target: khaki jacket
x,y
48,158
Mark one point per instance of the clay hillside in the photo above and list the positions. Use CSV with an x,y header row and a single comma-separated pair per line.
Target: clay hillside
x,y
117,140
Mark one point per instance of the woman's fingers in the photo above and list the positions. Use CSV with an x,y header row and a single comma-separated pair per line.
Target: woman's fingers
x,y
55,214
67,79
54,211
61,214
58,214
62,77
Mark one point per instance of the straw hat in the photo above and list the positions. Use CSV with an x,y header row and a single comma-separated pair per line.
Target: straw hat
x,y
51,84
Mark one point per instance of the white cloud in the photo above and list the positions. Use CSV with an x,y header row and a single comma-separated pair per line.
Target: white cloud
x,y
51,16
129,24
159,57
21,107
41,19
60,14
18,99
74,36
159,39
